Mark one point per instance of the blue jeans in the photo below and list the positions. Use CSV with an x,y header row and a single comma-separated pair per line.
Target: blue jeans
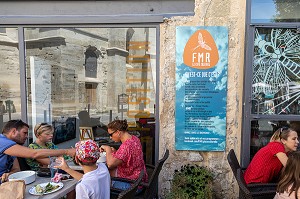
x,y
124,186
120,185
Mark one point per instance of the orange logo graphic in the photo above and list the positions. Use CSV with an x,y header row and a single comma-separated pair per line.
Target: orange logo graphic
x,y
201,51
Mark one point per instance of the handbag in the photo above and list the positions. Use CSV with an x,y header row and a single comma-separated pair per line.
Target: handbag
x,y
13,189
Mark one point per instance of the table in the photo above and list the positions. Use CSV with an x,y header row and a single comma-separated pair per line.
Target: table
x,y
73,166
69,185
115,145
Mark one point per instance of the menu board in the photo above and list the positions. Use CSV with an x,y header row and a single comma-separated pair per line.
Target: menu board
x,y
201,88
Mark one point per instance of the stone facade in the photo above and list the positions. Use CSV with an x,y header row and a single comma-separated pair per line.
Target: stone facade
x,y
230,13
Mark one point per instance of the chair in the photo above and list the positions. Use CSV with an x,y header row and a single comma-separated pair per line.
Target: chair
x,y
129,193
247,194
150,188
23,164
248,191
233,162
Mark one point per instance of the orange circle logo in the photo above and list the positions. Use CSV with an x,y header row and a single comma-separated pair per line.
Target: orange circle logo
x,y
201,51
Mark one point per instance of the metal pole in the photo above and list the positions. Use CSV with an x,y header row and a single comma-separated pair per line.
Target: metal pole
x,y
45,115
110,115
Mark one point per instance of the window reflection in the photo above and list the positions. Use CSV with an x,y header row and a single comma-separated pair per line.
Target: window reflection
x,y
82,72
263,11
10,97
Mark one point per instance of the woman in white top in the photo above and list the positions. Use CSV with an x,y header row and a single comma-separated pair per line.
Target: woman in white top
x,y
288,186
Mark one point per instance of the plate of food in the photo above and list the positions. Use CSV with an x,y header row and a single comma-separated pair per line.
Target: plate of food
x,y
45,188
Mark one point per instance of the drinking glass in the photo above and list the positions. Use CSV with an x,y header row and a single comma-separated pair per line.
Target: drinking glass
x,y
54,161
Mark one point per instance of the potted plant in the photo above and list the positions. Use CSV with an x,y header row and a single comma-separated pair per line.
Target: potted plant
x,y
191,182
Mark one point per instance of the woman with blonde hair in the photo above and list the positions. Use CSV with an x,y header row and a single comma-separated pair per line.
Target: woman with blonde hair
x,y
44,134
269,160
288,186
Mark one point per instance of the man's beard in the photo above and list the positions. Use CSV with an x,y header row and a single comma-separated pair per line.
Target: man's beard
x,y
19,141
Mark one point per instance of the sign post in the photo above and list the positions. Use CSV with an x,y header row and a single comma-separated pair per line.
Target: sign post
x,y
122,104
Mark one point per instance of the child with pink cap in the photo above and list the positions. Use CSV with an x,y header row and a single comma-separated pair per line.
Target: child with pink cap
x,y
95,182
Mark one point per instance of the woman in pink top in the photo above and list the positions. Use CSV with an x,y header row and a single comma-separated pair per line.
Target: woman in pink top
x,y
127,161
288,186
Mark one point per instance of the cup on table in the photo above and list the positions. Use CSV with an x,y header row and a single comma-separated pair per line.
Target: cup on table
x,y
102,157
54,161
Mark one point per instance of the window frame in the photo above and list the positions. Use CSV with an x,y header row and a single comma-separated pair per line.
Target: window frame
x,y
247,84
248,72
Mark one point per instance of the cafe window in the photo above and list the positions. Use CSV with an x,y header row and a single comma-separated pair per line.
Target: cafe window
x,y
275,86
10,97
272,83
276,72
272,11
102,47
70,80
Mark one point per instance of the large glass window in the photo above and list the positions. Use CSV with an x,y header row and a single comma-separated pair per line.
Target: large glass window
x,y
90,76
272,84
264,11
10,97
272,92
262,131
276,71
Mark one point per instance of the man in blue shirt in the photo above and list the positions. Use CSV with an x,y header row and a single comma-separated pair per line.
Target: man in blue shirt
x,y
14,135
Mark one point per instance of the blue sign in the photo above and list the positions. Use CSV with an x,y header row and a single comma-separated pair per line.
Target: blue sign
x,y
201,88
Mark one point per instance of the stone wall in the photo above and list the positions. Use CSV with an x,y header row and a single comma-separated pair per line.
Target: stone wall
x,y
10,71
229,13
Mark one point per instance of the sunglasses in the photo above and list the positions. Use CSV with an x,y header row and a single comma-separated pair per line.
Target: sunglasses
x,y
111,134
283,129
42,124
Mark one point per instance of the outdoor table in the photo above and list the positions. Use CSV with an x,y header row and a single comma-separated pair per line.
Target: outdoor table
x,y
73,166
69,185
115,145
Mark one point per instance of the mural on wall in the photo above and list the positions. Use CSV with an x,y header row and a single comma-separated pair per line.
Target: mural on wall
x,y
276,71
201,88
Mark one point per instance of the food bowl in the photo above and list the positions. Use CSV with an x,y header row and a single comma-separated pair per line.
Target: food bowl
x,y
27,176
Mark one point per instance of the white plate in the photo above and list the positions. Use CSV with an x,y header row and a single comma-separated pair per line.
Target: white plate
x,y
33,191
27,176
